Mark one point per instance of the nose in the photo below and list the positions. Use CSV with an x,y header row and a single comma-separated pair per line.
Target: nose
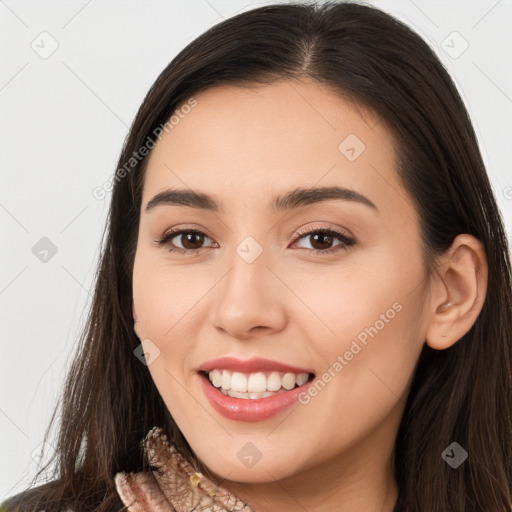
x,y
250,300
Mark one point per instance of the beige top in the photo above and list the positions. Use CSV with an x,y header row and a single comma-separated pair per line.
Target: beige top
x,y
174,486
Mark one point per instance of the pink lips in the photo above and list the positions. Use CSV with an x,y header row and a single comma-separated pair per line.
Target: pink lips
x,y
241,409
257,364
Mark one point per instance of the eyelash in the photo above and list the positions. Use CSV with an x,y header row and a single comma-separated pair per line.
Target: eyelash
x,y
346,242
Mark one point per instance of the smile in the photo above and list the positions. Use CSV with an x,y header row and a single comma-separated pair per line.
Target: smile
x,y
251,386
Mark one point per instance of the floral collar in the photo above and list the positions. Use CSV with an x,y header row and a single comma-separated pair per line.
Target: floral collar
x,y
174,486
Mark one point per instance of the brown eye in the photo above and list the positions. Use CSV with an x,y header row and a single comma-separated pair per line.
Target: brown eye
x,y
184,240
191,240
321,240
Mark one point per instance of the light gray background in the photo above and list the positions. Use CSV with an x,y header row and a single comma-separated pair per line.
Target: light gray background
x,y
63,121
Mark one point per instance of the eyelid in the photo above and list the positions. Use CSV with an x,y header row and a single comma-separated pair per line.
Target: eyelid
x,y
185,228
342,231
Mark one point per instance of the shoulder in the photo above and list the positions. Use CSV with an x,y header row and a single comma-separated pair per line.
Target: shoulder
x,y
26,501
17,501
10,503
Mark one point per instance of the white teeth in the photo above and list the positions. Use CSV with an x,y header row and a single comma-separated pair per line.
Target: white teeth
x,y
249,396
274,381
238,382
255,385
257,382
236,394
215,377
226,380
302,378
288,381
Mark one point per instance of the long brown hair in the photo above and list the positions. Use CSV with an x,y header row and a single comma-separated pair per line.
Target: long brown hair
x,y
461,394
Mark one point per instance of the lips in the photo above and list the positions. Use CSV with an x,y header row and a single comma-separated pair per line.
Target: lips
x,y
251,410
250,366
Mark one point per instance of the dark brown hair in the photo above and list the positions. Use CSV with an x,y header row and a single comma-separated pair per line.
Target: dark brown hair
x,y
461,394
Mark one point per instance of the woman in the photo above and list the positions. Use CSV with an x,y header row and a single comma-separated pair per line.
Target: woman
x,y
304,296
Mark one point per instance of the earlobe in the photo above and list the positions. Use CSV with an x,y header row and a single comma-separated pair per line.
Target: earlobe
x,y
459,294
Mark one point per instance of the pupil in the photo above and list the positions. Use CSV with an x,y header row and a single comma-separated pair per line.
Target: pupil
x,y
190,237
324,235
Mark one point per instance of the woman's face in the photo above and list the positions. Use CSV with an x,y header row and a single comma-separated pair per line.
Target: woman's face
x,y
263,280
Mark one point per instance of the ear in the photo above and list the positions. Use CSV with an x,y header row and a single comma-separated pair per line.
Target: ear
x,y
459,293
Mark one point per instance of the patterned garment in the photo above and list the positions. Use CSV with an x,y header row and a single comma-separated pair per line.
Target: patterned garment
x,y
174,486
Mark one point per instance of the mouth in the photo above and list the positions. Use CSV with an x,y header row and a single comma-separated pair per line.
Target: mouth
x,y
255,385
255,389
252,406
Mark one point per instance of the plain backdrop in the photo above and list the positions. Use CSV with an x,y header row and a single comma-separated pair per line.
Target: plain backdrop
x,y
72,76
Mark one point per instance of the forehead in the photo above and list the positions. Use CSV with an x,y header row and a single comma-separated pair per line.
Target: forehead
x,y
259,140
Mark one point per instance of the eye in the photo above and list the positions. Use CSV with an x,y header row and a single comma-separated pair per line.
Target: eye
x,y
190,240
321,240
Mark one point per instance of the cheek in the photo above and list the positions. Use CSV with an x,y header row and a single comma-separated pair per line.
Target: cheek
x,y
168,301
366,368
342,302
164,297
163,302
367,325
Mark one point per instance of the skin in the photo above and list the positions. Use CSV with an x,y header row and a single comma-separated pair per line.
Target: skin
x,y
244,146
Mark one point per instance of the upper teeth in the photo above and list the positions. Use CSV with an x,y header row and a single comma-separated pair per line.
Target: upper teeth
x,y
255,382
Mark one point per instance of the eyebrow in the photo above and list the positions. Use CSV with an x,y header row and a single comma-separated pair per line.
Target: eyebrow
x,y
293,199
